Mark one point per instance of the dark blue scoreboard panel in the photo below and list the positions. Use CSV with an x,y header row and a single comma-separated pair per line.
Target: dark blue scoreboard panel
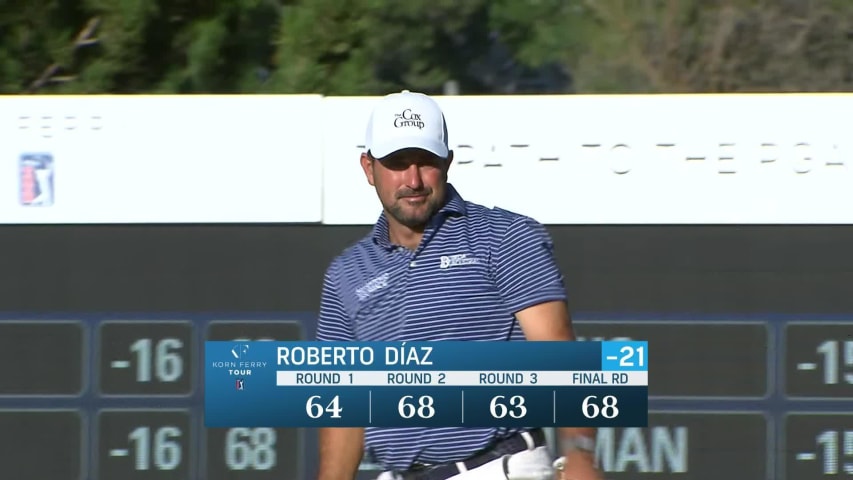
x,y
116,397
426,384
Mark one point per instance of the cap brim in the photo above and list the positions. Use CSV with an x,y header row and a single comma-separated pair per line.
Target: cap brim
x,y
435,147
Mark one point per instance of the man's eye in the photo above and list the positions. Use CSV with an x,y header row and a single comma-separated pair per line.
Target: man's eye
x,y
396,165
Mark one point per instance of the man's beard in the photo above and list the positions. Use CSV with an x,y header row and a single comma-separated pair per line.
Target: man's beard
x,y
415,219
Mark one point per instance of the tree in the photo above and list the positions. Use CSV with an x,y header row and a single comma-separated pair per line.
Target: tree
x,y
356,47
33,37
704,45
137,46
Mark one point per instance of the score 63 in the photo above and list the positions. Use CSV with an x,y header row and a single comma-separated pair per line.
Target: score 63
x,y
629,355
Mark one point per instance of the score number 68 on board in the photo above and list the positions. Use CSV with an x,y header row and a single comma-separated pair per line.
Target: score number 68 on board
x,y
426,384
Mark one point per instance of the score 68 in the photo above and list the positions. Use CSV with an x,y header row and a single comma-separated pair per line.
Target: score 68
x,y
607,409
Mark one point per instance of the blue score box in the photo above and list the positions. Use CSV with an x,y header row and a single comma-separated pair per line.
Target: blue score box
x,y
426,384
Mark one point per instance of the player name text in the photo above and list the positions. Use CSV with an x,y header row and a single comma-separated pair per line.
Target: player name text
x,y
355,356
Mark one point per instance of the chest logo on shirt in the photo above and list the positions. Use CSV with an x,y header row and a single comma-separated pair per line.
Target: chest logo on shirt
x,y
448,261
363,292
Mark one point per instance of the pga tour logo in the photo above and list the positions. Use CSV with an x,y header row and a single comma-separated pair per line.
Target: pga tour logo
x,y
238,384
36,179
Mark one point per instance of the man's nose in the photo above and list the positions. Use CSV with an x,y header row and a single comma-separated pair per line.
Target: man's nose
x,y
413,177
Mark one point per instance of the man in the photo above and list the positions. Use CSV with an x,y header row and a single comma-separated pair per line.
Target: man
x,y
436,267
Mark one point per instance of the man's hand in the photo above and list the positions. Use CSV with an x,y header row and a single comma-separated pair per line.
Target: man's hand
x,y
579,466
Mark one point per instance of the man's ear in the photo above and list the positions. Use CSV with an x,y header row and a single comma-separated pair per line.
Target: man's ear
x,y
367,166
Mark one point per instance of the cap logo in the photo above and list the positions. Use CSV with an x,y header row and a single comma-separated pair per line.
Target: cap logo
x,y
408,119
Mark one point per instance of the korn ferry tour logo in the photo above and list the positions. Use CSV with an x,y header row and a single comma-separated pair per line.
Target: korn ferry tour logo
x,y
239,350
239,363
408,119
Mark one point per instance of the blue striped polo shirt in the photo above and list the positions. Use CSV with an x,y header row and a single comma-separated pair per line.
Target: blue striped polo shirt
x,y
474,268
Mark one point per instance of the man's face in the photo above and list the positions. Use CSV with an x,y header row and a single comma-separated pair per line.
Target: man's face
x,y
411,184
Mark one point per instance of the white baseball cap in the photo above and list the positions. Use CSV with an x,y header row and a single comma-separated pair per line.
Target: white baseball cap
x,y
406,120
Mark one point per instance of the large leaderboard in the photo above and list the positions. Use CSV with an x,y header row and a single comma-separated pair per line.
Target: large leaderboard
x,y
426,384
103,397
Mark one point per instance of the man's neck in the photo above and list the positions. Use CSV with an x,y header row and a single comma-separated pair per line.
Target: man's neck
x,y
400,234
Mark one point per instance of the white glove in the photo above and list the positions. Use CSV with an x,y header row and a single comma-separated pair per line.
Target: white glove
x,y
530,465
387,476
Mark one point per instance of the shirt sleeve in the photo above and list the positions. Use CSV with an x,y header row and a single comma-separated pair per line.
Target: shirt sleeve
x,y
333,324
525,269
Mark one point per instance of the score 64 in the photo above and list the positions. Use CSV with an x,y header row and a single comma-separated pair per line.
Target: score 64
x,y
315,409
625,356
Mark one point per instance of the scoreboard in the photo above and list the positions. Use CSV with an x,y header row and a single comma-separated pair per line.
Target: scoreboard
x,y
95,397
102,398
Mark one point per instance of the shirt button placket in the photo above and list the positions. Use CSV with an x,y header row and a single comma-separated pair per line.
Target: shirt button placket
x,y
407,284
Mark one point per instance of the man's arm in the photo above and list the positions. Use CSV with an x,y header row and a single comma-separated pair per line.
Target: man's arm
x,y
341,449
550,321
531,286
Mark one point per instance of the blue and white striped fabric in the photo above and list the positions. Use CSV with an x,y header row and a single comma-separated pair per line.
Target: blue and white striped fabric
x,y
474,268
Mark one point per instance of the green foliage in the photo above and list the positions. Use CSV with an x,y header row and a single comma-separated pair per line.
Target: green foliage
x,y
715,46
359,47
373,46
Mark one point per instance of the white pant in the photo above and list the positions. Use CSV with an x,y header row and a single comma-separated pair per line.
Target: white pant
x,y
530,464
